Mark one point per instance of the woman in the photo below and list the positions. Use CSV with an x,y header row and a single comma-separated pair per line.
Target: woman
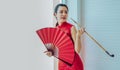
x,y
61,14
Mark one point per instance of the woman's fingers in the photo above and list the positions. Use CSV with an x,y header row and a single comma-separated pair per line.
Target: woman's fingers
x,y
45,51
82,30
48,53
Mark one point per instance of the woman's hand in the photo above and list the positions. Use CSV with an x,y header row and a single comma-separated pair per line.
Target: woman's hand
x,y
48,53
76,34
80,32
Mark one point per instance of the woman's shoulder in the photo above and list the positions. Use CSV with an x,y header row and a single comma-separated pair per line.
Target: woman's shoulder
x,y
70,24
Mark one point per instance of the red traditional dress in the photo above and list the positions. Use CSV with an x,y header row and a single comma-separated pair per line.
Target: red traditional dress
x,y
77,64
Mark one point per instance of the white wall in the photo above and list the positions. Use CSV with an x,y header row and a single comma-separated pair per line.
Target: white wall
x,y
20,47
102,21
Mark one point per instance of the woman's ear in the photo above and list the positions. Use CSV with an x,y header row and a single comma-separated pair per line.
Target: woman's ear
x,y
54,14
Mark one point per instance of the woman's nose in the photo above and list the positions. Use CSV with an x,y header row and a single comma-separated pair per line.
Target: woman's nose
x,y
64,14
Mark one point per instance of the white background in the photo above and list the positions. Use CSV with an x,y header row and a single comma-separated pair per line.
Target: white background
x,y
20,47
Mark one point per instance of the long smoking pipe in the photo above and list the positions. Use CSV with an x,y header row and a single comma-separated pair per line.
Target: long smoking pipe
x,y
111,55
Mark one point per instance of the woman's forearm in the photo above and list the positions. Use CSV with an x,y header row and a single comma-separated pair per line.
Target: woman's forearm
x,y
76,36
78,44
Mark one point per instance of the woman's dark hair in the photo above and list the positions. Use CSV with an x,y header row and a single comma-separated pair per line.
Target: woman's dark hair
x,y
56,9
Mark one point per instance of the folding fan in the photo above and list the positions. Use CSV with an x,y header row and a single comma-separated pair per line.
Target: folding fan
x,y
58,42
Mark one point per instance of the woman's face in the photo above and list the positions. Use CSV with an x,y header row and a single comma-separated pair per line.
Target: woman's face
x,y
62,14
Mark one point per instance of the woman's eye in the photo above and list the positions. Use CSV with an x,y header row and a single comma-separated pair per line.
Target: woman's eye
x,y
66,12
61,12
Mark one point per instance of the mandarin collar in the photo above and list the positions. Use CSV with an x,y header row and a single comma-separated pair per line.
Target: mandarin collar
x,y
62,24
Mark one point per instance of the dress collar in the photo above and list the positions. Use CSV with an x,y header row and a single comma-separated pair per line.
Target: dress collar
x,y
62,24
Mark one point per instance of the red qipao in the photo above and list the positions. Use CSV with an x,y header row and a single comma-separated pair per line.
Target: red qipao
x,y
77,64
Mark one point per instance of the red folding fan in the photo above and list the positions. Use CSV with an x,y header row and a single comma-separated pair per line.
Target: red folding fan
x,y
59,43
